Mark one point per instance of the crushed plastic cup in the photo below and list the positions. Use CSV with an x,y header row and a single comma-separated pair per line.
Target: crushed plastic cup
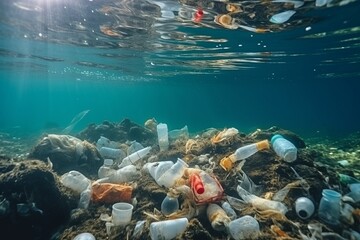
x,y
122,213
168,229
304,207
245,227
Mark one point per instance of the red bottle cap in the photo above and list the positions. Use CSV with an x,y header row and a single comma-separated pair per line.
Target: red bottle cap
x,y
197,184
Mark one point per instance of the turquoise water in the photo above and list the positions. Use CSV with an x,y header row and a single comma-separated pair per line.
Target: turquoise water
x,y
55,63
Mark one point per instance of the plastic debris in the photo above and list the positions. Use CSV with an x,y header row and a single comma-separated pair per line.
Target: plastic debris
x,y
282,17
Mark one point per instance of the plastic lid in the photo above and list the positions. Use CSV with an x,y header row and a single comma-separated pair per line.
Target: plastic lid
x,y
276,136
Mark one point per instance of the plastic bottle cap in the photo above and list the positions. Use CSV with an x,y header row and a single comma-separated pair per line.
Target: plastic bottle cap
x,y
226,163
264,144
197,184
276,136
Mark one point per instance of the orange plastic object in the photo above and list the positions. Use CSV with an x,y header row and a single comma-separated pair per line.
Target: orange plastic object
x,y
264,144
196,184
226,163
111,193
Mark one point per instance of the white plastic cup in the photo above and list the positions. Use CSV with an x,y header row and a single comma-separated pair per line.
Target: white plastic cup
x,y
304,207
122,213
245,227
168,229
163,137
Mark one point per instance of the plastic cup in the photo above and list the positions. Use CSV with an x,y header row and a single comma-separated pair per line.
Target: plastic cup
x,y
168,229
121,213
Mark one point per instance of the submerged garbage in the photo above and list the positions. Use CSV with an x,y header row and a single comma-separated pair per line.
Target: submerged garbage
x,y
160,188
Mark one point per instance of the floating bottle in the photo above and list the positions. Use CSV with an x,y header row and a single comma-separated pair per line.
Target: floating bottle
x,y
242,153
329,207
205,188
105,170
169,178
284,148
163,138
134,157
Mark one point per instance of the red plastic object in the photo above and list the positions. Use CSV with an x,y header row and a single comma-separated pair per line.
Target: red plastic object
x,y
196,184
198,15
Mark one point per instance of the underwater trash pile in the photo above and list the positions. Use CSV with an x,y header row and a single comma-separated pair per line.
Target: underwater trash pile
x,y
147,182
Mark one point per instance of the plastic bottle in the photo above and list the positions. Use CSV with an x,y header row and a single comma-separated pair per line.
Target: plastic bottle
x,y
163,138
125,174
205,187
105,170
133,158
261,203
113,153
217,217
168,229
168,179
242,153
329,207
169,205
75,180
284,148
304,207
134,147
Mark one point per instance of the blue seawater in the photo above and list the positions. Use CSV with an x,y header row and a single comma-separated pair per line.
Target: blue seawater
x,y
58,58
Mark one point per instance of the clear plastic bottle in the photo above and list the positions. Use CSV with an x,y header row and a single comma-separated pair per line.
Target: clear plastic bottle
x,y
105,170
284,148
169,205
329,207
168,179
243,152
113,153
134,157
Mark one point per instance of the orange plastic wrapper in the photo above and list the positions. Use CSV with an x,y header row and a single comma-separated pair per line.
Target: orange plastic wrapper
x,y
111,193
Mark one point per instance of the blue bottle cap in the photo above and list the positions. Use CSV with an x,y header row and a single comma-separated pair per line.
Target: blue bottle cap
x,y
276,136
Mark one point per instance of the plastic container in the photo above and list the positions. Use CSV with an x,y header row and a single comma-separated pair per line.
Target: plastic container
x,y
217,217
355,191
329,207
179,133
168,179
163,138
122,213
168,229
245,227
156,169
106,169
133,158
243,153
205,188
169,205
113,153
125,174
261,203
75,180
229,210
84,236
284,148
304,207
